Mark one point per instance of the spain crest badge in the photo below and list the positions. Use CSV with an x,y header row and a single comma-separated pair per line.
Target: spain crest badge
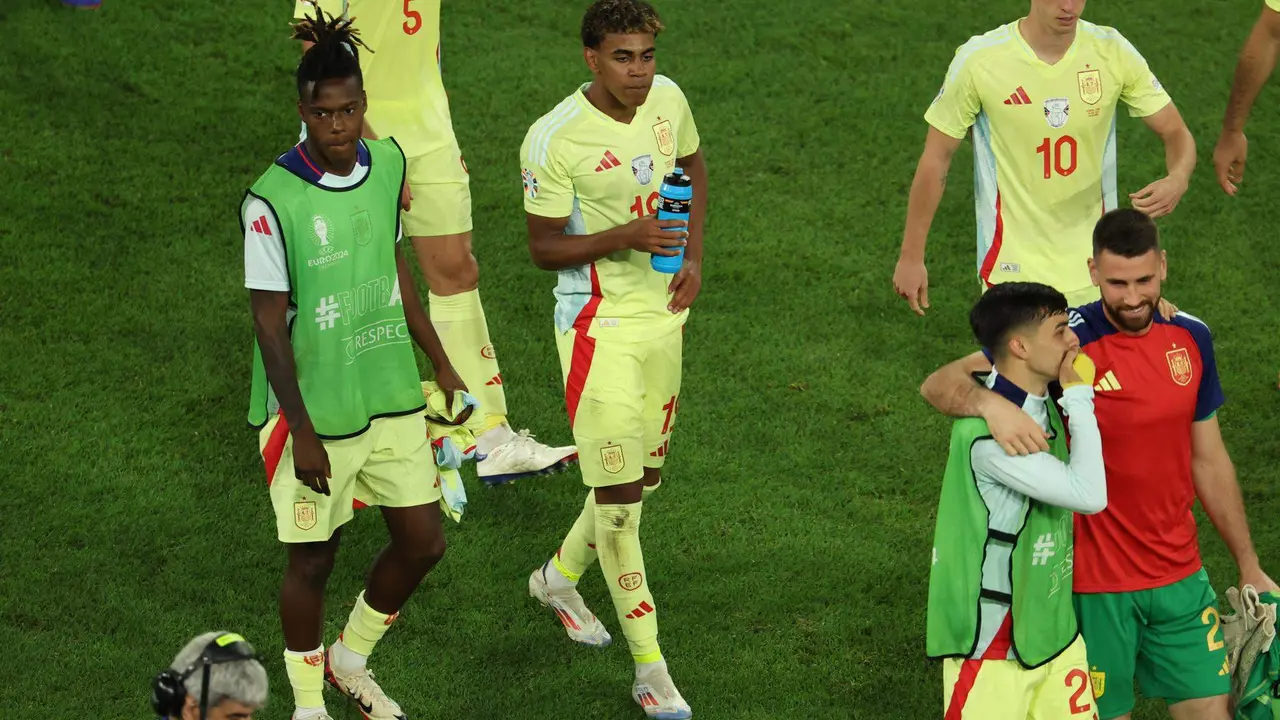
x,y
1180,366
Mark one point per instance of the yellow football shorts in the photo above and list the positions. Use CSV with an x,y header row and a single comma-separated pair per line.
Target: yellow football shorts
x,y
1075,298
390,464
1061,689
622,399
441,190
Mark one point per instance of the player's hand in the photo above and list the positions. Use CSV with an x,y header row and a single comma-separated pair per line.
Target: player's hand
x,y
685,286
1068,375
1160,197
656,237
911,281
1228,160
1166,309
310,461
1016,431
450,382
406,197
1258,579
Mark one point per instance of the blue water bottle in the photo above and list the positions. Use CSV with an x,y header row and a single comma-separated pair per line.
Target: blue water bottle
x,y
674,198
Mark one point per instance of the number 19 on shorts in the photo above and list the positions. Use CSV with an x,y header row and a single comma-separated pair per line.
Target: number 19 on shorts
x,y
1059,156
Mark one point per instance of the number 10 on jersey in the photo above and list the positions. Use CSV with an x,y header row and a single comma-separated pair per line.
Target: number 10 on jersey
x,y
1059,156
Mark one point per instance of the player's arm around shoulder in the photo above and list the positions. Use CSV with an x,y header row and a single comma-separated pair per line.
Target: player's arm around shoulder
x,y
954,390
1080,484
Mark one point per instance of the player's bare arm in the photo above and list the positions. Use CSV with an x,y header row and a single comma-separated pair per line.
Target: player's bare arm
x,y
686,284
424,333
952,391
1214,476
1162,196
552,249
1257,61
311,462
910,279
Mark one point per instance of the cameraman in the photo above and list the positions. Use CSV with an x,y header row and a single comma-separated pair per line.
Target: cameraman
x,y
217,676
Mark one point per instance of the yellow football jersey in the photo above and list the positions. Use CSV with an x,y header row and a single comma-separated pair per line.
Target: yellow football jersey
x,y
579,163
1274,5
402,75
1044,145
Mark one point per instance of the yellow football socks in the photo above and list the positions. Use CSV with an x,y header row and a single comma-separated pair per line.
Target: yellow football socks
x,y
621,561
459,321
578,551
306,675
365,627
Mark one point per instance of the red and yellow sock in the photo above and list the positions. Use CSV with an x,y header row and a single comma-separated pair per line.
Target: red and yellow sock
x,y
306,675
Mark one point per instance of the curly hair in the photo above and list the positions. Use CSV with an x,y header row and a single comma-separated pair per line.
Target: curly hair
x,y
618,16
334,54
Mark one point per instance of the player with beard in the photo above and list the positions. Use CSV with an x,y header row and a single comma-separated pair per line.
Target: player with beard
x,y
1143,598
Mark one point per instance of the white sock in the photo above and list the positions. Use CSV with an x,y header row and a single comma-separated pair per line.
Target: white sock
x,y
490,439
307,713
345,661
556,580
646,671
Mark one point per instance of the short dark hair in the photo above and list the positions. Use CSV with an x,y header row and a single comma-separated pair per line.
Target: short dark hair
x,y
624,17
333,56
1126,232
1007,307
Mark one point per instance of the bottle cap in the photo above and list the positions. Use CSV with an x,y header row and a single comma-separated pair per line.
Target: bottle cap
x,y
677,178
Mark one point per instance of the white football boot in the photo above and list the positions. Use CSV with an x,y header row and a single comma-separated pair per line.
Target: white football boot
x,y
656,693
581,625
367,695
522,456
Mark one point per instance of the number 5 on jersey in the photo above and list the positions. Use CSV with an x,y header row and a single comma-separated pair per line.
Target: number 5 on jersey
x,y
414,22
1059,157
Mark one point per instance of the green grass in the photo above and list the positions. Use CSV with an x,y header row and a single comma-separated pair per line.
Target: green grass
x,y
789,547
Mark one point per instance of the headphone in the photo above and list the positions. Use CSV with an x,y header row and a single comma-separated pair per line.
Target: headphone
x,y
169,690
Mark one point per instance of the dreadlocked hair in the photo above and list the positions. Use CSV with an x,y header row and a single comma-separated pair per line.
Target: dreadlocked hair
x,y
334,54
625,17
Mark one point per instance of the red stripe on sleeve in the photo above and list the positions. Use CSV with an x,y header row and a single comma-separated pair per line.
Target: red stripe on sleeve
x,y
997,239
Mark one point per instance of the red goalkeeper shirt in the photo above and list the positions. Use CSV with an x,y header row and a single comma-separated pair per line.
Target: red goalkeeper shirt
x,y
1149,390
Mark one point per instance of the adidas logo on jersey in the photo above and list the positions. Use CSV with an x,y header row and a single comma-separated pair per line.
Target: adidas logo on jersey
x,y
1019,97
608,162
1108,383
261,226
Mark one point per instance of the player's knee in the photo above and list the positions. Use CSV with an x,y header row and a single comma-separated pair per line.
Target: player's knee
x,y
423,554
447,263
457,274
311,565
